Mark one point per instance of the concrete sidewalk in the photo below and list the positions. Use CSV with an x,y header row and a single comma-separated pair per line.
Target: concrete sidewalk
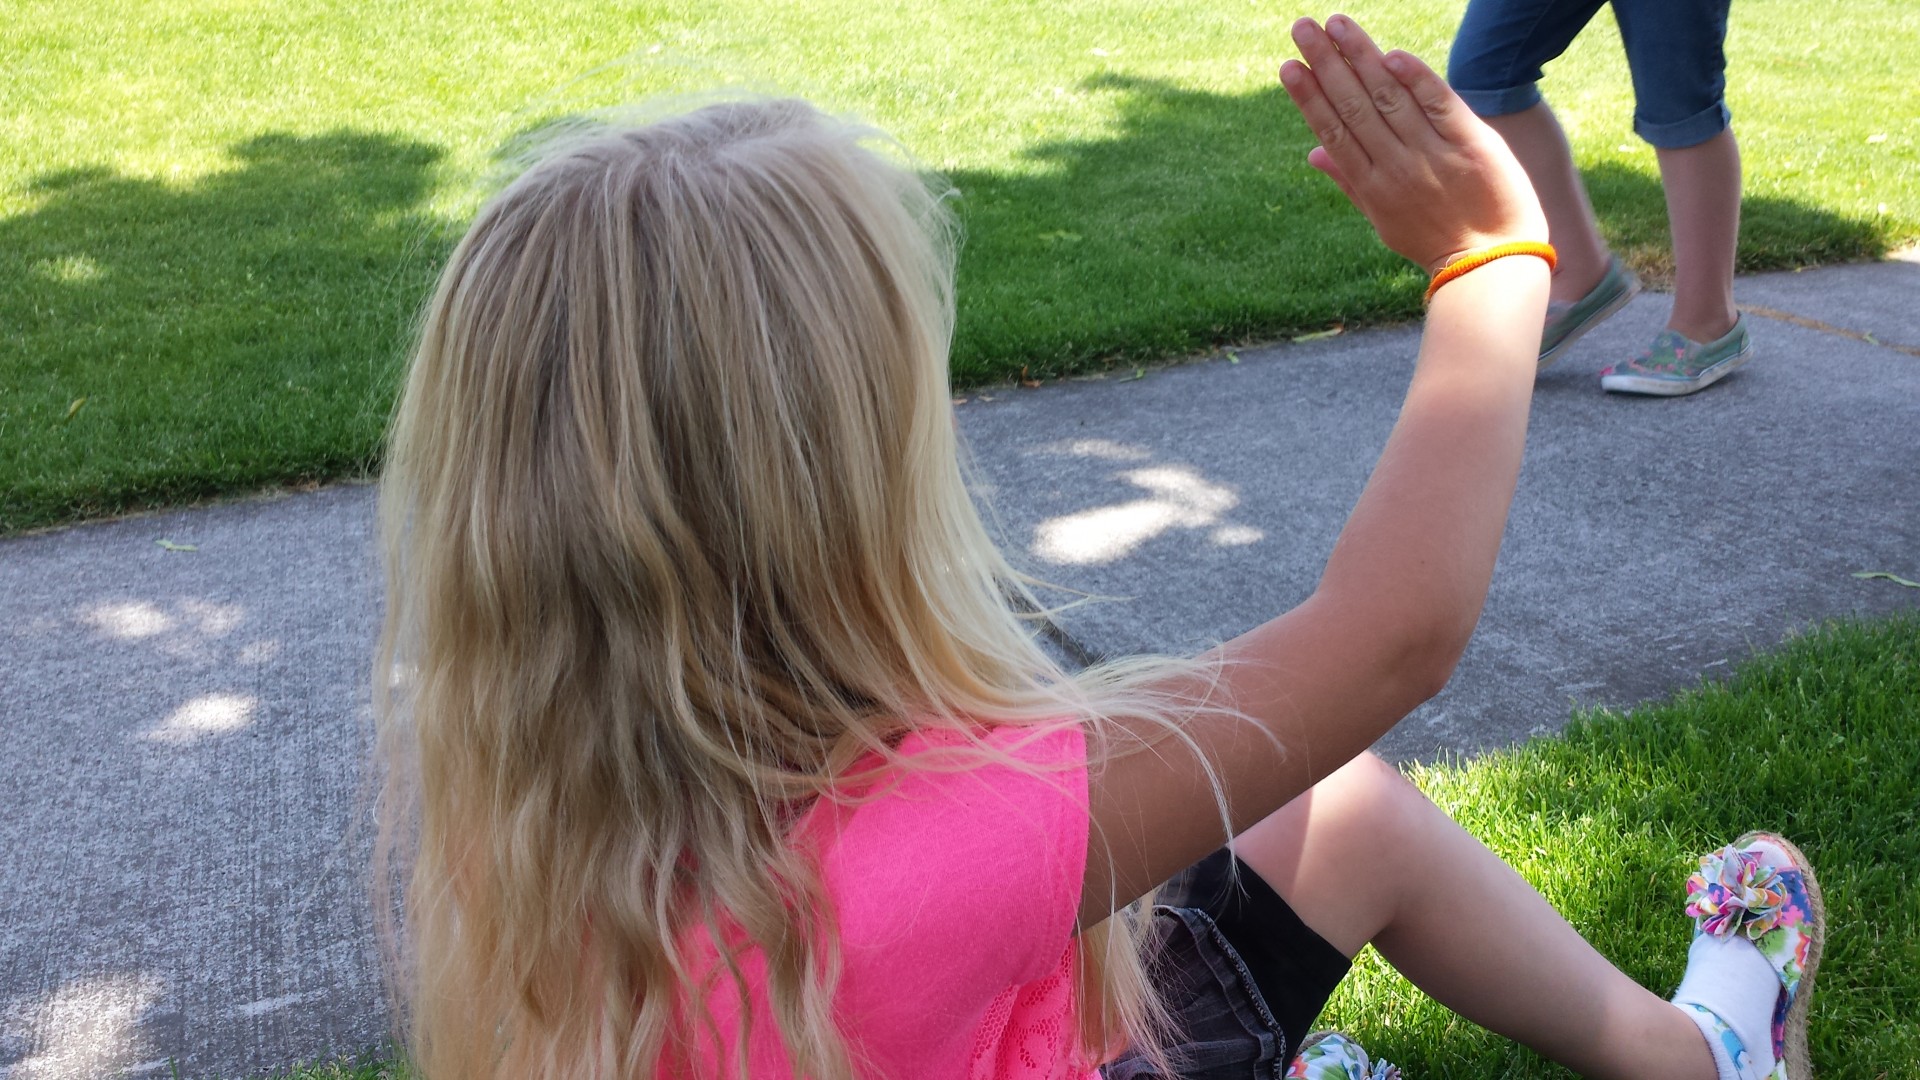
x,y
187,728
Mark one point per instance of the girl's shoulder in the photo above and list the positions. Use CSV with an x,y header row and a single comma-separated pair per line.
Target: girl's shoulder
x,y
1023,764
962,816
1047,745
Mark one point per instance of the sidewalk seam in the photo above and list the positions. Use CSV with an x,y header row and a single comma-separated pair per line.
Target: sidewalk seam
x,y
1824,327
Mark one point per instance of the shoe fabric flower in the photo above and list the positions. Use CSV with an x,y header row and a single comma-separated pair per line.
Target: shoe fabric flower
x,y
1332,1056
1735,892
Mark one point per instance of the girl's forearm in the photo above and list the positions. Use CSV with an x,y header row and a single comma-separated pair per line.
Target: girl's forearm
x,y
1409,573
1389,620
1407,578
1418,551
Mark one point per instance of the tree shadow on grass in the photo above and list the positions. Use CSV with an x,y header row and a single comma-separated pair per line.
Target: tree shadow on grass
x,y
164,342
1199,223
161,343
1775,233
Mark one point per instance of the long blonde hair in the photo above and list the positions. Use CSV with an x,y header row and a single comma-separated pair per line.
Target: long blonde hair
x,y
676,531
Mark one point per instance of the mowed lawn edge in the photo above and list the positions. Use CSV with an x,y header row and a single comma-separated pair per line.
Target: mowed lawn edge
x,y
217,222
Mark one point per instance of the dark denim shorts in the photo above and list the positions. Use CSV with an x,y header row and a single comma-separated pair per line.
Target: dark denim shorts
x,y
1675,51
1241,974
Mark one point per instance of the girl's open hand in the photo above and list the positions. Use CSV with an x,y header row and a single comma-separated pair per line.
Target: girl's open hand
x,y
1433,180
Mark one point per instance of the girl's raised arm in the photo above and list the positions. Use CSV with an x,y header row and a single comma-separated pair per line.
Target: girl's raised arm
x,y
1405,583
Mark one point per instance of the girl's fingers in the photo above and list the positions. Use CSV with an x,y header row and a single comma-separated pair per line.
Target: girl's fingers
x,y
1345,100
1443,108
1317,157
1335,139
1429,176
1390,98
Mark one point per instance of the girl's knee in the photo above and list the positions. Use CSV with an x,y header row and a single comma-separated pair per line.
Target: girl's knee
x,y
1324,852
1370,777
1375,801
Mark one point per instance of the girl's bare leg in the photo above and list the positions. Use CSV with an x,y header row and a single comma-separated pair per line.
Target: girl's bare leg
x,y
1703,208
1535,138
1364,857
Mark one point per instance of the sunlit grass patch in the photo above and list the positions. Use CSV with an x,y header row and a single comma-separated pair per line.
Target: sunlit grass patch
x,y
1819,741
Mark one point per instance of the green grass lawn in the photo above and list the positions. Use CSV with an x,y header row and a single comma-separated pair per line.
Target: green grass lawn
x,y
362,1069
1817,741
216,218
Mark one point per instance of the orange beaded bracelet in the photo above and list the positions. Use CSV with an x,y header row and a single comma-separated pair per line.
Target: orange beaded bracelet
x,y
1473,260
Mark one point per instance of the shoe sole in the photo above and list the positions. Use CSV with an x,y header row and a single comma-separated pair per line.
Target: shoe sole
x,y
1799,1064
1606,312
1644,384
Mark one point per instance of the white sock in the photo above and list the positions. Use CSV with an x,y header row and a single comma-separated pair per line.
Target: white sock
x,y
1729,977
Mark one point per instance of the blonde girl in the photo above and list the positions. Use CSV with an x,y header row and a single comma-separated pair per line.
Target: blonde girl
x,y
717,744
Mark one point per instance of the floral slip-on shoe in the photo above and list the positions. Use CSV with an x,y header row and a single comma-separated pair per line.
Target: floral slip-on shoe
x,y
1330,1055
1762,888
1566,322
1676,365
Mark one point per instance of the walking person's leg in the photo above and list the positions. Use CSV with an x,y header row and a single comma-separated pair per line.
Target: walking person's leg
x,y
1535,137
1676,51
1495,65
1702,183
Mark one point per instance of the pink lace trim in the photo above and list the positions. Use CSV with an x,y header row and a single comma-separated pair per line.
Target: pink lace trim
x,y
1027,1033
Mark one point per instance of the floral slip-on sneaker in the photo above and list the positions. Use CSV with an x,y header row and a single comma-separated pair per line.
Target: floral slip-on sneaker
x,y
1676,364
1566,322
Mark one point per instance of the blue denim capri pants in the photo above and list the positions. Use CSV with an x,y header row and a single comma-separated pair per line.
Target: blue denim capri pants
x,y
1675,50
